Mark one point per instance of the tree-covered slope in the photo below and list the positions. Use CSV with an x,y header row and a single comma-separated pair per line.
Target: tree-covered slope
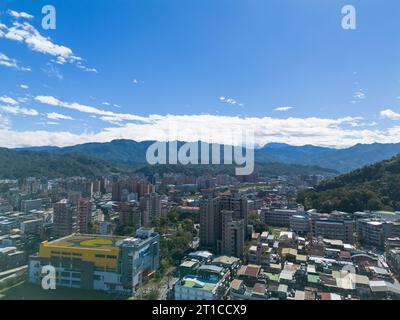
x,y
22,164
374,187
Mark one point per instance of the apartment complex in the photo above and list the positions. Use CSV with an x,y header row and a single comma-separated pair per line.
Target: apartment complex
x,y
121,189
233,235
223,224
277,217
331,226
336,225
63,219
84,212
150,205
129,214
374,232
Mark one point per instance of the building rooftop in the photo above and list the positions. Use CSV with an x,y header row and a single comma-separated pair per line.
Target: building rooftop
x,y
259,288
286,275
236,284
313,278
211,268
87,241
299,295
283,288
198,283
189,264
250,270
201,254
226,260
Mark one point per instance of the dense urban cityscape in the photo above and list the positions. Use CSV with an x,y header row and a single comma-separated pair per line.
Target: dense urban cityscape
x,y
192,238
195,158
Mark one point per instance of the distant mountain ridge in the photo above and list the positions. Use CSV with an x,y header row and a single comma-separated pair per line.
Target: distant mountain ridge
x,y
342,160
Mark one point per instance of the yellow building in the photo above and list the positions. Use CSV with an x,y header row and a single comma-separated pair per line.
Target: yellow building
x,y
95,262
102,251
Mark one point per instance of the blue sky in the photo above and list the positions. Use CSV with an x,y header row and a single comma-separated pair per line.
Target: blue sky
x,y
132,69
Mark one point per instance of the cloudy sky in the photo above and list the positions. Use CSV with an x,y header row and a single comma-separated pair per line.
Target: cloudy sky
x,y
207,69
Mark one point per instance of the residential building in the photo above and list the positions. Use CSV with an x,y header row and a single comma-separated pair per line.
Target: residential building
x,y
209,283
84,214
129,214
332,226
63,219
220,234
371,232
277,217
28,205
233,233
150,205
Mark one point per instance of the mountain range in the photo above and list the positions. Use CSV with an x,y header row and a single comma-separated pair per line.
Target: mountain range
x,y
341,160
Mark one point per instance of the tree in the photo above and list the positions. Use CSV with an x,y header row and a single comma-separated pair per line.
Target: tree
x,y
255,220
152,294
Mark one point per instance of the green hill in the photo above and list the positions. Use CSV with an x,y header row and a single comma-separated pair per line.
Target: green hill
x,y
22,164
374,187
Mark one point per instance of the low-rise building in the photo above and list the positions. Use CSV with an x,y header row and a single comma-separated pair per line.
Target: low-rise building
x,y
210,283
277,217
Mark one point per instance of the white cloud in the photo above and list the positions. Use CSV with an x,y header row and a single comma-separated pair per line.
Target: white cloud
x,y
389,114
4,122
106,103
230,101
26,33
24,86
53,72
8,100
296,131
136,81
17,15
19,110
283,108
86,69
47,123
23,99
339,132
49,100
11,63
58,116
359,95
